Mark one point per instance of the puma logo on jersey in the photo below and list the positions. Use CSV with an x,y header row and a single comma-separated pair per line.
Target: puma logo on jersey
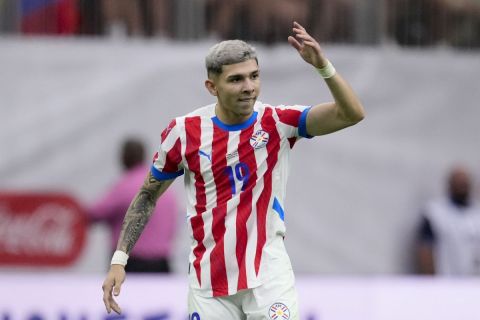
x,y
206,155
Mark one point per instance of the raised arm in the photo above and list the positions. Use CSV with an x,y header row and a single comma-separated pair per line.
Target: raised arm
x,y
346,110
135,220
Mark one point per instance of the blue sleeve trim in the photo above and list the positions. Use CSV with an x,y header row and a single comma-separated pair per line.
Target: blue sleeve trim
x,y
159,175
302,126
278,207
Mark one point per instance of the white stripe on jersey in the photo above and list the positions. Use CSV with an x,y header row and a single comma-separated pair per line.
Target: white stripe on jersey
x,y
231,220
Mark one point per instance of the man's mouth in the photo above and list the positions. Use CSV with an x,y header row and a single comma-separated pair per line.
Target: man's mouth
x,y
247,99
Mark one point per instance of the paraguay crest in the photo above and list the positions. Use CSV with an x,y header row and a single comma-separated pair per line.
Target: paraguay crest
x,y
259,139
279,311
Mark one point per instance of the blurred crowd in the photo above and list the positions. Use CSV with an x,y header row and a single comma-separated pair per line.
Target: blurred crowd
x,y
406,22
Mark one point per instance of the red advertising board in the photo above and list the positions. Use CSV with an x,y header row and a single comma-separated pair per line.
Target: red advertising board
x,y
40,229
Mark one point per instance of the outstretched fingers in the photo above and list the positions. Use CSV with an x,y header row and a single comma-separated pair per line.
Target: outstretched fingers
x,y
298,25
304,36
301,37
299,30
308,48
294,42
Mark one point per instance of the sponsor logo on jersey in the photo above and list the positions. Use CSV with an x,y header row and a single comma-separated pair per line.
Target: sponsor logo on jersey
x,y
279,311
234,154
259,139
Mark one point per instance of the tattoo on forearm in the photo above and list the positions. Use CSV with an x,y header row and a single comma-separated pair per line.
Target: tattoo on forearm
x,y
139,213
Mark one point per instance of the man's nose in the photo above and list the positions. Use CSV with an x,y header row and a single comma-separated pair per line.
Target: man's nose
x,y
248,85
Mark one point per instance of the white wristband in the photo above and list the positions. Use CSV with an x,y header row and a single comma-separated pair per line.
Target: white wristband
x,y
328,71
119,257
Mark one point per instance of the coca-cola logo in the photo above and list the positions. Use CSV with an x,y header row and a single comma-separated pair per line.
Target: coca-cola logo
x,y
40,229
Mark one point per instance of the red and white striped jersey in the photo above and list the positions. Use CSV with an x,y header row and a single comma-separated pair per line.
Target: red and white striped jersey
x,y
235,180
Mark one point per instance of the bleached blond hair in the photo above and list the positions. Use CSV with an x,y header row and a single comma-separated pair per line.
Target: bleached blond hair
x,y
228,52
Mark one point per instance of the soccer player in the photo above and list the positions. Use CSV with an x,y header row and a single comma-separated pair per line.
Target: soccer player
x,y
234,156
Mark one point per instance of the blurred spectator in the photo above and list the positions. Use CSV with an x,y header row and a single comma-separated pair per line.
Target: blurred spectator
x,y
189,17
91,17
153,249
138,17
225,19
121,17
332,20
283,13
429,22
414,22
266,21
8,16
461,27
449,235
49,16
157,17
406,22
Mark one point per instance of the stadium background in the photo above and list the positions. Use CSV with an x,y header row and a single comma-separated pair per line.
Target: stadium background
x,y
70,93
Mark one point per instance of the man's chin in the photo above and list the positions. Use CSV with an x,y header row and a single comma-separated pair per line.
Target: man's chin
x,y
247,105
246,110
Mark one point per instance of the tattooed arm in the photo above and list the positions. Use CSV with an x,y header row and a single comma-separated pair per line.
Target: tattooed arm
x,y
135,220
140,211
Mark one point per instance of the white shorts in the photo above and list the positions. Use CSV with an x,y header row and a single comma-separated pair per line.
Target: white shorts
x,y
275,299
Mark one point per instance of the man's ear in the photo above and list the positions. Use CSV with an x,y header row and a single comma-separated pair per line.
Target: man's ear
x,y
210,85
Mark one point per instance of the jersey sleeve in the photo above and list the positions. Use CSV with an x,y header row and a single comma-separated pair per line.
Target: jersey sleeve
x,y
294,120
167,161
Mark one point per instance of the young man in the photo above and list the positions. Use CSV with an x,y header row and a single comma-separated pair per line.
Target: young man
x,y
234,155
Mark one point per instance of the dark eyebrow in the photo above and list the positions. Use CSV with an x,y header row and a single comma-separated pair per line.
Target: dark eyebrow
x,y
235,76
240,76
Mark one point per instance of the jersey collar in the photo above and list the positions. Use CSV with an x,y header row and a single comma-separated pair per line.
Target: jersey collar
x,y
235,127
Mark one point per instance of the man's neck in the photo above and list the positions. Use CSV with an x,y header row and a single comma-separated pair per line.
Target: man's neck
x,y
230,118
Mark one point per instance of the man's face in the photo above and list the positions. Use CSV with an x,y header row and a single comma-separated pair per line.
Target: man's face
x,y
459,186
237,89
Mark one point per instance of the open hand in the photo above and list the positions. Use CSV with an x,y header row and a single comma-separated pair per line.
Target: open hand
x,y
307,46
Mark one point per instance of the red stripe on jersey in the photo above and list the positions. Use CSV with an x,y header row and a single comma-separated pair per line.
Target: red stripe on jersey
x,y
193,134
167,130
218,271
155,157
244,209
173,158
273,147
290,117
